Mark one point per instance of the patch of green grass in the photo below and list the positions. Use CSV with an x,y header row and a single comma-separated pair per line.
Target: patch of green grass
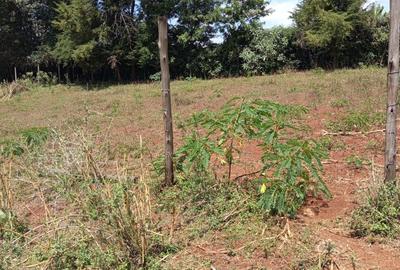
x,y
10,148
35,137
340,103
30,138
355,121
379,214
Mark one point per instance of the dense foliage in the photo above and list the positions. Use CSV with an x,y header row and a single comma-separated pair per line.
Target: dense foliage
x,y
102,40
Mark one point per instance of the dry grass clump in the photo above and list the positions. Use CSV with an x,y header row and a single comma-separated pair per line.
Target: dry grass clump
x,y
85,210
9,90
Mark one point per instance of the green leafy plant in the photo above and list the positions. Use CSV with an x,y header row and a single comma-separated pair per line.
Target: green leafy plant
x,y
355,121
228,128
27,139
36,136
10,225
379,214
291,166
294,168
340,103
356,161
195,154
10,148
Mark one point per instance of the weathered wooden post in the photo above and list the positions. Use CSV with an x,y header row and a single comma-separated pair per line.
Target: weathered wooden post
x,y
393,84
166,99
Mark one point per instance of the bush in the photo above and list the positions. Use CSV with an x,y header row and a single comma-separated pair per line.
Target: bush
x,y
379,214
268,51
285,182
156,77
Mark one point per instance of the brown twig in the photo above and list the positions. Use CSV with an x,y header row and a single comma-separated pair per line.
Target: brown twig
x,y
247,174
344,133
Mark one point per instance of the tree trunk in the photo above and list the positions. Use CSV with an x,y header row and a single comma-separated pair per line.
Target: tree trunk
x,y
59,72
166,99
15,74
393,84
37,73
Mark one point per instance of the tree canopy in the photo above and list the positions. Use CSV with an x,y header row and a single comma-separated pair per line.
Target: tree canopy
x,y
103,40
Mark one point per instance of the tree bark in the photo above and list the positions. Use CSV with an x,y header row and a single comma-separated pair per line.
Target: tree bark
x,y
393,84
59,72
15,74
166,99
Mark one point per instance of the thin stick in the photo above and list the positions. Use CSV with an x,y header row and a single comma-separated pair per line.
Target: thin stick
x,y
344,133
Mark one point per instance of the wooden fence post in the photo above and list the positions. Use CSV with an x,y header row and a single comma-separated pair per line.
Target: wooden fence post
x,y
166,99
393,84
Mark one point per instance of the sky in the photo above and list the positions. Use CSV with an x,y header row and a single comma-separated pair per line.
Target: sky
x,y
282,9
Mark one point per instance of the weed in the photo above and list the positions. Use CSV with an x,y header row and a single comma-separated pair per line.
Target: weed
x,y
111,217
340,103
357,162
355,121
27,139
294,90
10,225
35,137
183,101
10,148
77,250
374,145
318,71
379,214
329,143
205,206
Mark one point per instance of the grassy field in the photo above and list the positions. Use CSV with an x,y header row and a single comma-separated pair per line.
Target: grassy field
x,y
78,183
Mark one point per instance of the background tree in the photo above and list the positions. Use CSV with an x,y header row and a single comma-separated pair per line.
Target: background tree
x,y
105,40
269,51
80,35
17,37
335,33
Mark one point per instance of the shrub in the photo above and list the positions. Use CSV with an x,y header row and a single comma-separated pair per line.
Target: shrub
x,y
155,77
285,182
268,51
379,214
